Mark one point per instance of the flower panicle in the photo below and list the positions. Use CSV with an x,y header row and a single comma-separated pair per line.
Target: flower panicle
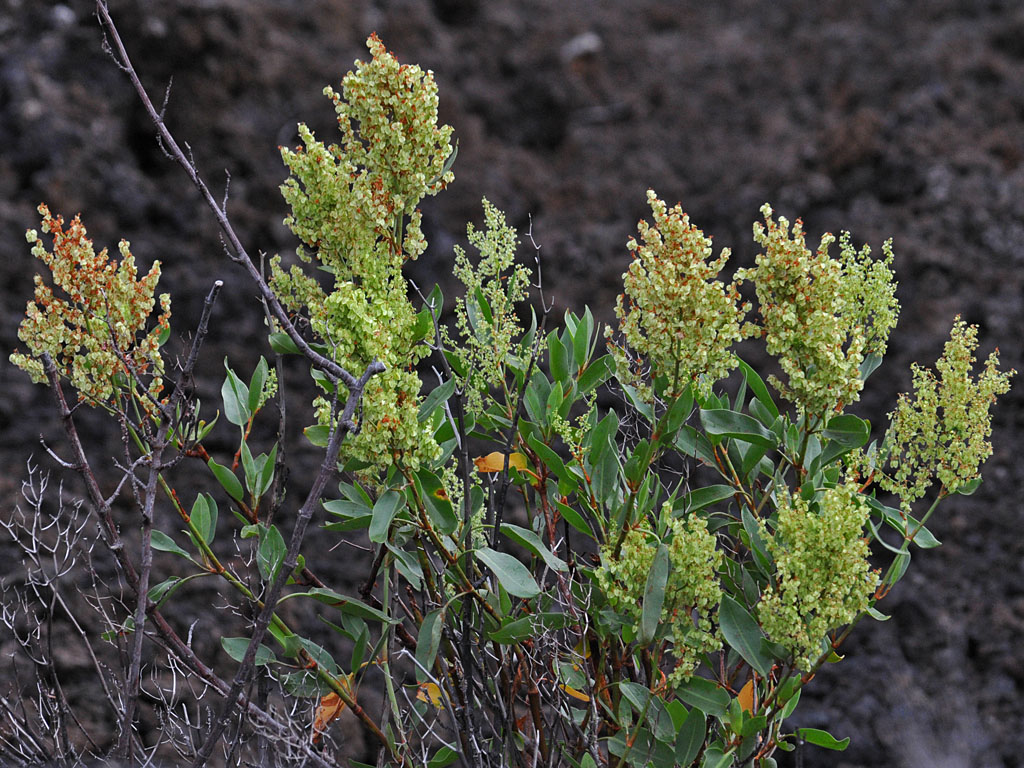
x,y
820,316
92,321
941,430
354,210
677,319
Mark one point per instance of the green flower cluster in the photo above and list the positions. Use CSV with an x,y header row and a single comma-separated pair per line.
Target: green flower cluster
x,y
485,316
354,209
692,593
675,312
944,429
821,316
92,335
824,579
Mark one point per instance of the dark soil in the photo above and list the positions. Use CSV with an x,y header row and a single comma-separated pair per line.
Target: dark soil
x,y
902,119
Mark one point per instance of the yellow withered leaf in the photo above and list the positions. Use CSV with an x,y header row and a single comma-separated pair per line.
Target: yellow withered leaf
x,y
574,693
432,693
495,462
746,697
331,706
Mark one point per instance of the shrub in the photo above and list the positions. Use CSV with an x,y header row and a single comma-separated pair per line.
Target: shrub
x,y
550,584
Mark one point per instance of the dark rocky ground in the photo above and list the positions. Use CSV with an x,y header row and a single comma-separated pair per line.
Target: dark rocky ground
x,y
881,117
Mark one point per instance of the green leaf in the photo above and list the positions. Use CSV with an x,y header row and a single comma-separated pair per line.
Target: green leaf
x,y
639,462
512,575
869,365
567,482
204,517
792,700
690,736
438,395
558,358
602,437
715,758
236,398
444,757
347,508
574,518
439,506
722,422
678,412
845,433
654,595
271,552
282,344
742,632
757,386
248,466
384,511
705,695
266,474
924,538
968,488
162,591
704,497
256,383
304,684
528,626
604,458
236,647
536,396
581,338
848,430
424,326
556,396
227,479
318,434
643,408
595,374
345,604
756,542
320,655
161,542
527,538
822,739
636,693
693,443
408,566
322,380
428,641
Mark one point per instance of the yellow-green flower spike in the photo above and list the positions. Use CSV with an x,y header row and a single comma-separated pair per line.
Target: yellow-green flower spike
x,y
502,284
820,316
354,209
942,430
692,589
823,579
675,314
99,330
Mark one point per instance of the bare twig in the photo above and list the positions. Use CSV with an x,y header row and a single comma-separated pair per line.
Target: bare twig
x,y
236,249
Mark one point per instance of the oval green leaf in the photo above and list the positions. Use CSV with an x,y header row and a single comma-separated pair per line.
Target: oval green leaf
x,y
742,632
722,422
512,575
